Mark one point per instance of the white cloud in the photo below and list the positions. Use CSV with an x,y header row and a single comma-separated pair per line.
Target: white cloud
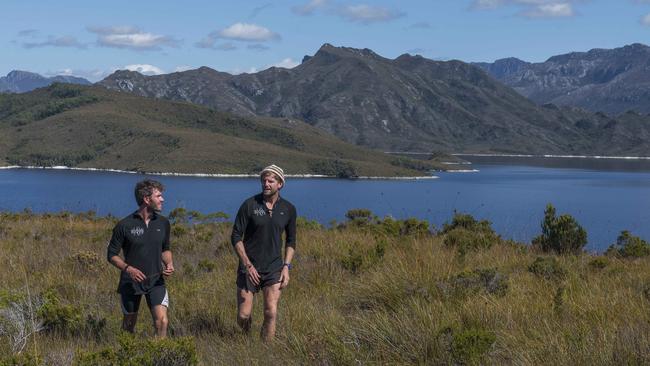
x,y
257,47
52,41
238,71
132,38
556,10
287,63
309,8
145,69
228,46
487,4
92,75
238,32
247,32
645,20
182,68
532,8
367,14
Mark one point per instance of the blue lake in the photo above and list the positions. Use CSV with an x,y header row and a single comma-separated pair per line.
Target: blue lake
x,y
604,196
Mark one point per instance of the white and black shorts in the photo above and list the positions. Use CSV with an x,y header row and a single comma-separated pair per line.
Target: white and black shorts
x,y
130,301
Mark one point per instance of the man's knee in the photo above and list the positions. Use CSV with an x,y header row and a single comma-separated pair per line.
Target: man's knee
x,y
270,313
161,322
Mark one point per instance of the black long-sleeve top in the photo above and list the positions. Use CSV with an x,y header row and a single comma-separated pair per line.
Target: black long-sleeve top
x,y
260,229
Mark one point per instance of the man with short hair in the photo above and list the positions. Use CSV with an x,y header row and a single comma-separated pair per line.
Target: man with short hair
x,y
257,239
143,237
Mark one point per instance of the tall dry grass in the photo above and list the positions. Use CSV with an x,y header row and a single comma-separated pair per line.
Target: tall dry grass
x,y
358,295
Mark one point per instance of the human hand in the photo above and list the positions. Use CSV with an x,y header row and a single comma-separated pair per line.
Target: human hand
x,y
135,274
252,274
168,270
284,277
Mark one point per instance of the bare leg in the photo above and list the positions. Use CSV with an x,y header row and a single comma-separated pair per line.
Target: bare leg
x,y
160,321
271,298
128,322
244,309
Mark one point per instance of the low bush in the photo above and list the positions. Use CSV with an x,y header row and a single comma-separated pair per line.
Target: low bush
x,y
358,259
599,263
364,218
468,345
548,268
134,351
629,246
467,283
467,234
59,318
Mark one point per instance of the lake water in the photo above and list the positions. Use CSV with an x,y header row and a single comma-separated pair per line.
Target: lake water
x,y
605,196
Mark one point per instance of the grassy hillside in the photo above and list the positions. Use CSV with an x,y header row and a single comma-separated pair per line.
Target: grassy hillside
x,y
93,127
384,293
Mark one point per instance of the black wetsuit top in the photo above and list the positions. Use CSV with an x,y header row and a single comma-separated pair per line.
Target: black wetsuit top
x,y
142,246
261,231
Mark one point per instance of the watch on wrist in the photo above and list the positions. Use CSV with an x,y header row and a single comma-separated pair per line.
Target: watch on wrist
x,y
288,265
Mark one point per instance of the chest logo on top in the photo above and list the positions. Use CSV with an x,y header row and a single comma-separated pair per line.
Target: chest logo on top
x,y
259,211
137,231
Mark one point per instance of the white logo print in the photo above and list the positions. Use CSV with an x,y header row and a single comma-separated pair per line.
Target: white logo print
x,y
137,231
259,212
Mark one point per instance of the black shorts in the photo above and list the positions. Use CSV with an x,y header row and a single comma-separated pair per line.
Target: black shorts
x,y
130,301
266,279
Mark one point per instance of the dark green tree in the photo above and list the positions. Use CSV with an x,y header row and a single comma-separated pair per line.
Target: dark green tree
x,y
561,234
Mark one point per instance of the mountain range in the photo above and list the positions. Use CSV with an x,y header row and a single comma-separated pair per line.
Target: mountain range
x,y
409,103
93,127
23,81
613,81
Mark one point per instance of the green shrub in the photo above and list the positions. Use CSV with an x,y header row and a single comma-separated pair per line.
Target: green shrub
x,y
599,263
629,246
305,223
467,346
467,234
548,268
59,318
179,215
23,359
360,216
468,222
466,240
334,167
561,234
358,259
134,351
468,283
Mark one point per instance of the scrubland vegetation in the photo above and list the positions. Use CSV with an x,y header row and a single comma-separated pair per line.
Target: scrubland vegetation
x,y
367,291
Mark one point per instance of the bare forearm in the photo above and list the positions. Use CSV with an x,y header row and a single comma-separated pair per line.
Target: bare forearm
x,y
167,257
288,254
118,262
241,253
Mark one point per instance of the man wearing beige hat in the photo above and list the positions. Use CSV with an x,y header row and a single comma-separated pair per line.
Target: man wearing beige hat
x,y
257,238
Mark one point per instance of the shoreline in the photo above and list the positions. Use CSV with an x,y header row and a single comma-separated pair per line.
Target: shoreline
x,y
558,156
207,175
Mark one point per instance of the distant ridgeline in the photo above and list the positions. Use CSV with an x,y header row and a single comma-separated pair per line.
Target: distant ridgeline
x,y
93,127
612,81
407,104
23,81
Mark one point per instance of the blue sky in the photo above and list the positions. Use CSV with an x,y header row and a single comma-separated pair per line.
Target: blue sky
x,y
92,39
